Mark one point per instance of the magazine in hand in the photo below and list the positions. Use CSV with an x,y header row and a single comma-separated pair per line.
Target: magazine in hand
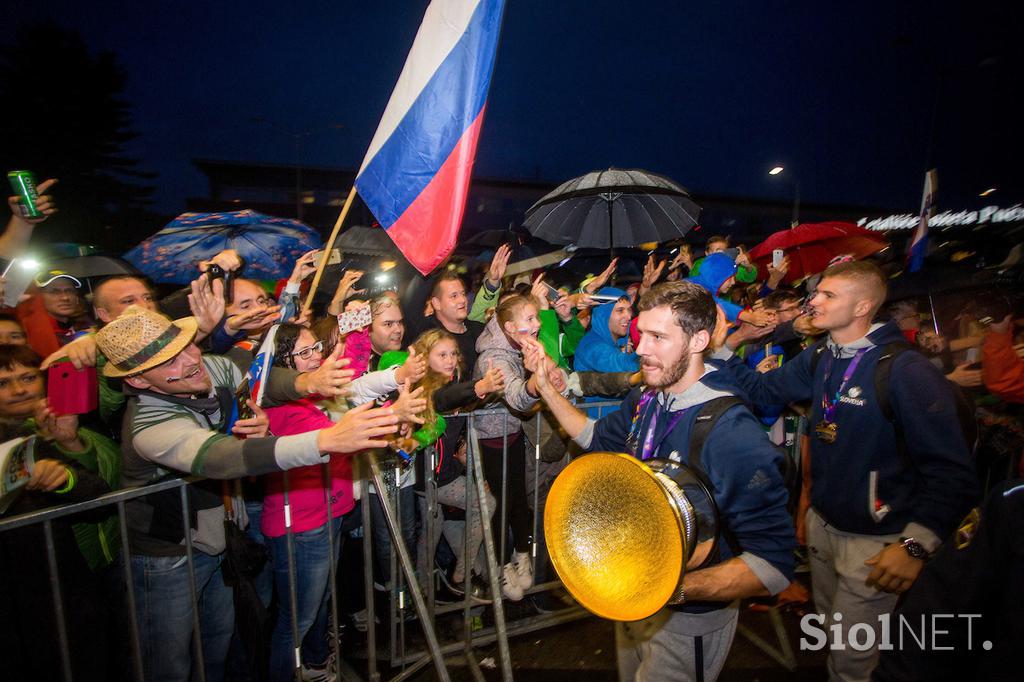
x,y
17,461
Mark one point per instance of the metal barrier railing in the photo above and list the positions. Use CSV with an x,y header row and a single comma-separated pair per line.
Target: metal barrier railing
x,y
406,660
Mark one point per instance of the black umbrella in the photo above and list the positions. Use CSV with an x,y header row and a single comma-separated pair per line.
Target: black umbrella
x,y
613,208
243,561
84,267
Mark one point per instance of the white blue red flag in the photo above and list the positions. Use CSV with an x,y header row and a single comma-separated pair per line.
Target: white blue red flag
x,y
259,369
918,248
415,176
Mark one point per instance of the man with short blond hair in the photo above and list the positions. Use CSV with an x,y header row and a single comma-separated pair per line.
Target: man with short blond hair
x,y
890,468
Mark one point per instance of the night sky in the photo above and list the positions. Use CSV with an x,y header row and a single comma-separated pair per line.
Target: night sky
x,y
857,100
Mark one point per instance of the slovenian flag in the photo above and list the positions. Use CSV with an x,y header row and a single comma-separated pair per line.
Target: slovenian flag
x,y
918,248
415,176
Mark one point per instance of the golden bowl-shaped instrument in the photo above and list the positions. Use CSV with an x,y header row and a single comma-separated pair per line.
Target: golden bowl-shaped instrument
x,y
621,532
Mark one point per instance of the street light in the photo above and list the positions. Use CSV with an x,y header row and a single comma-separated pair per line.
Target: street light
x,y
987,192
777,170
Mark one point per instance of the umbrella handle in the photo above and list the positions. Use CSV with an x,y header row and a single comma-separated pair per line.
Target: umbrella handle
x,y
327,249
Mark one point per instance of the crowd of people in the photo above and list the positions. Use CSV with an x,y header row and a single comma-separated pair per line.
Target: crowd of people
x,y
890,466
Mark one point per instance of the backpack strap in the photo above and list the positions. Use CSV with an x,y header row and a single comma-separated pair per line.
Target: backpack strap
x,y
883,372
707,417
817,350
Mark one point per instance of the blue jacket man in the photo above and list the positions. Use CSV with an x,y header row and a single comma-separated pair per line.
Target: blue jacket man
x,y
604,347
883,492
713,272
692,641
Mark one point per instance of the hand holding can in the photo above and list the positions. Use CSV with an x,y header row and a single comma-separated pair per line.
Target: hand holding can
x,y
30,200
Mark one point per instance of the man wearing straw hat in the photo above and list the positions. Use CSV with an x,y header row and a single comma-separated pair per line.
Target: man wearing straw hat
x,y
177,420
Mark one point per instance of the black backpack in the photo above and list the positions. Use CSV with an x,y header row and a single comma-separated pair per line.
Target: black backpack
x,y
707,416
883,372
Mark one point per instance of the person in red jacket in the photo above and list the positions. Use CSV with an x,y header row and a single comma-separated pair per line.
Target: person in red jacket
x,y
1001,369
52,316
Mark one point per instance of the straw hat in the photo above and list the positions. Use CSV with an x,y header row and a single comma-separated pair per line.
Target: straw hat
x,y
141,339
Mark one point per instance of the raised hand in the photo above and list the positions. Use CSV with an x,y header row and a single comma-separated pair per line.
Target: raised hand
x,y
228,260
540,292
44,203
410,403
360,428
329,379
759,318
684,257
499,264
594,285
256,426
563,308
258,318
776,274
413,369
533,352
344,290
305,266
652,271
206,307
61,428
965,377
741,256
81,353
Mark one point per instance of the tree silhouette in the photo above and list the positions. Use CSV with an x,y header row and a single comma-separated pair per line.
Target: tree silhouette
x,y
64,117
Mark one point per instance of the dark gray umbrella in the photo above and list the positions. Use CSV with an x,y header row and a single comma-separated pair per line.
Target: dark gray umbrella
x,y
613,208
84,267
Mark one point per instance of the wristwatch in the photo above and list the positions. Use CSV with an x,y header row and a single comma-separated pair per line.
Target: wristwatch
x,y
914,548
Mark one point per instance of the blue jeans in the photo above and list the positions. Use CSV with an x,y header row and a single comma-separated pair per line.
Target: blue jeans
x,y
382,538
312,597
164,610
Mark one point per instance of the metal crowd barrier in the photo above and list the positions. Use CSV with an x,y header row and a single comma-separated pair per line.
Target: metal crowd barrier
x,y
400,655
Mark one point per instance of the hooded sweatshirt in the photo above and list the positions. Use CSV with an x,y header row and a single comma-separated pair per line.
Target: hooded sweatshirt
x,y
494,347
860,483
597,350
739,460
711,272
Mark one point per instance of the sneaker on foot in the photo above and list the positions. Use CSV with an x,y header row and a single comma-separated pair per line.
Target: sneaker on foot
x,y
524,572
326,672
510,587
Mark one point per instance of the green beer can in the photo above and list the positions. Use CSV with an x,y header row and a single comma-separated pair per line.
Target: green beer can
x,y
24,185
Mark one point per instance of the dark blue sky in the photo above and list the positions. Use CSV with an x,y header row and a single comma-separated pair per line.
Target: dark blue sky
x,y
711,94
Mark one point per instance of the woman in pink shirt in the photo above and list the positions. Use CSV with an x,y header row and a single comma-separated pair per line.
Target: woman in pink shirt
x,y
297,348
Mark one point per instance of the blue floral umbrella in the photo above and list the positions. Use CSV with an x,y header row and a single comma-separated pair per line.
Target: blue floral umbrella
x,y
269,245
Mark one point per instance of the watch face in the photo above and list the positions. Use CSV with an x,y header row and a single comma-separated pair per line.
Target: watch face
x,y
914,549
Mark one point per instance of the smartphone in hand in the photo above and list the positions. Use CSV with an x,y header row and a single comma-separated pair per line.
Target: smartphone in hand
x,y
70,390
18,279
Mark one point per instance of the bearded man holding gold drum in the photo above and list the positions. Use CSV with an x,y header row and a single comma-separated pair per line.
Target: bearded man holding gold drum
x,y
663,540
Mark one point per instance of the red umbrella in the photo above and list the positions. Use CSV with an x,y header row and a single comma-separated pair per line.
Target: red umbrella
x,y
810,247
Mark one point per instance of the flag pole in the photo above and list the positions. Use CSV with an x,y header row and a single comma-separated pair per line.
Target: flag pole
x,y
327,249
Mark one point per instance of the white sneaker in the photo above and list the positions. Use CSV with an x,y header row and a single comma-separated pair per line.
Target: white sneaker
x,y
524,572
510,587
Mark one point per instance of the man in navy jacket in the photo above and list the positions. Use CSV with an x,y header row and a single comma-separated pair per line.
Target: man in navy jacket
x,y
883,492
691,641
